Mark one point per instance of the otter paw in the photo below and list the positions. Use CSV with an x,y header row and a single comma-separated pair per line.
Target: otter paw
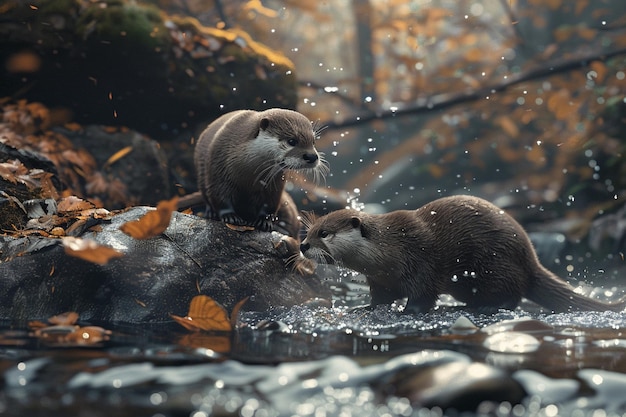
x,y
209,213
233,219
264,224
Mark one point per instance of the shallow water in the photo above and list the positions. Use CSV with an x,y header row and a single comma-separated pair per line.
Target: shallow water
x,y
329,361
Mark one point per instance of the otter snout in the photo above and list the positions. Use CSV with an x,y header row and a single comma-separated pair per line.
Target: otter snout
x,y
310,158
305,246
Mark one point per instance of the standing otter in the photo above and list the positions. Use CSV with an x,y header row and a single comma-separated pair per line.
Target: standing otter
x,y
241,160
461,245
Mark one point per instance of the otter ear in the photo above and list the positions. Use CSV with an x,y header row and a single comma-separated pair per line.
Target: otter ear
x,y
265,122
356,223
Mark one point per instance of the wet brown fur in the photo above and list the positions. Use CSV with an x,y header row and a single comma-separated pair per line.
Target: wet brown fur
x,y
461,245
242,177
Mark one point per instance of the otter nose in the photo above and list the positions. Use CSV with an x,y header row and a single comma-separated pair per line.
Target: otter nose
x,y
310,157
304,247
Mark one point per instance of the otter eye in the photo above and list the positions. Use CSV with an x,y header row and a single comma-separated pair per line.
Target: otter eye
x,y
292,142
323,234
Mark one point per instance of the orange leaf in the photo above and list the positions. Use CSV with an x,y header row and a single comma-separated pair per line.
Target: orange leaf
x,y
239,228
204,314
152,223
89,250
70,317
508,125
88,335
47,187
73,203
234,315
118,155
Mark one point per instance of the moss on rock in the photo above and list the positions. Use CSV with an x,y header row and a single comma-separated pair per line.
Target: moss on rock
x,y
118,62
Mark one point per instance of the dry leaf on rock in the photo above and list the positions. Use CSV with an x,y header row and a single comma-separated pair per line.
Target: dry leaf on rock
x,y
152,223
89,250
204,314
239,228
70,317
73,203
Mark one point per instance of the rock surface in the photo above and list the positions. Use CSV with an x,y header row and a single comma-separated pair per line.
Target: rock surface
x,y
154,277
123,63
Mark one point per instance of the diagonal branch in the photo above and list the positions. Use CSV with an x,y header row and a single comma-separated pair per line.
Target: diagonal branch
x,y
442,101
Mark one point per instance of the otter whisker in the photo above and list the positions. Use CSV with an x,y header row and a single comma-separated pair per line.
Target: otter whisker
x,y
307,218
268,174
321,170
318,128
262,175
322,255
300,264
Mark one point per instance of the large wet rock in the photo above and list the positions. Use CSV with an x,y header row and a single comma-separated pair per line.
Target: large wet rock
x,y
153,278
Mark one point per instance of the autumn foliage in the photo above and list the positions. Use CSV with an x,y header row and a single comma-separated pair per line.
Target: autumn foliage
x,y
207,314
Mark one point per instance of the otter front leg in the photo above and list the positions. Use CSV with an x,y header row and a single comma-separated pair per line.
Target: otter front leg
x,y
209,213
382,295
423,304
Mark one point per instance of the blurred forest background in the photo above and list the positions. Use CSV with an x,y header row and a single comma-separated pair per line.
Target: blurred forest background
x,y
519,101
432,97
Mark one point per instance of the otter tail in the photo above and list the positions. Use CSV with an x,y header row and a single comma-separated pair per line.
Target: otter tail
x,y
557,295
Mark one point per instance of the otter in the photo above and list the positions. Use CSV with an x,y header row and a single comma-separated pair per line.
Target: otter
x,y
460,245
241,161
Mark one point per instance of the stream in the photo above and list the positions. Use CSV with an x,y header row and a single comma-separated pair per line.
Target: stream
x,y
343,359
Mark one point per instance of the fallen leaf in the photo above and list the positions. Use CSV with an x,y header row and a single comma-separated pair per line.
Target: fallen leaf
x,y
239,228
70,317
73,203
87,335
204,314
152,223
118,155
234,315
89,250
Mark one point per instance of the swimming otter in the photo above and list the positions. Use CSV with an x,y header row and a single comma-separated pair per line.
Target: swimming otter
x,y
241,160
461,245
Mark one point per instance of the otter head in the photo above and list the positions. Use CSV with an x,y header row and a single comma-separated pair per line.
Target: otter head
x,y
288,138
338,237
